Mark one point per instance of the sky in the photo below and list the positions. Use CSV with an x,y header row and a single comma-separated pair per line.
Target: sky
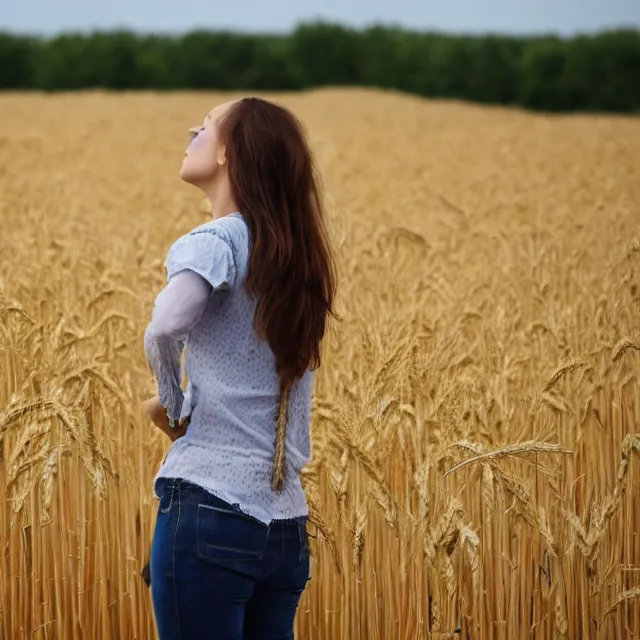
x,y
563,17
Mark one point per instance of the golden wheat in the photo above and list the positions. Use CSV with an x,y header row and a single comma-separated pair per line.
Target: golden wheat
x,y
476,453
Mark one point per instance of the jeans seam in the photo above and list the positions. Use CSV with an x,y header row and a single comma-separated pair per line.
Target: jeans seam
x,y
168,508
173,565
304,541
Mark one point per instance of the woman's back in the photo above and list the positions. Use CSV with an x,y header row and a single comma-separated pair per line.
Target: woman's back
x,y
233,392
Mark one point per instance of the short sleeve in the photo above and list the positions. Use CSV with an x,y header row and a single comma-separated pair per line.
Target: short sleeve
x,y
206,253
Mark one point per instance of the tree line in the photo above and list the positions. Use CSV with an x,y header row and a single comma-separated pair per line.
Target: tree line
x,y
585,73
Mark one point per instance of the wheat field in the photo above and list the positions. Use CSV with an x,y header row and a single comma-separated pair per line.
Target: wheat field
x,y
476,425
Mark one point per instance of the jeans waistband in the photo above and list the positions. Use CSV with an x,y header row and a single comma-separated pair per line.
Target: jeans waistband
x,y
191,492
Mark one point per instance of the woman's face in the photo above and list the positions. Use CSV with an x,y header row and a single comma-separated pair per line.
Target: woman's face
x,y
205,156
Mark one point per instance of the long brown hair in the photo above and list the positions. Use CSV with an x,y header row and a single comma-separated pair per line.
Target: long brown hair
x,y
291,268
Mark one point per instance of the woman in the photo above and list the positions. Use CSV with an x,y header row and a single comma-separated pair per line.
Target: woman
x,y
250,291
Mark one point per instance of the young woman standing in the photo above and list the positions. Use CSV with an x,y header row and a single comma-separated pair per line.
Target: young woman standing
x,y
251,292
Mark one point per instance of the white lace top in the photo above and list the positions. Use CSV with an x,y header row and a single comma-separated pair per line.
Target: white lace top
x,y
232,394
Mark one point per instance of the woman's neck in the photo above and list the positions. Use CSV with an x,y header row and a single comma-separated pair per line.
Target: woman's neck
x,y
221,199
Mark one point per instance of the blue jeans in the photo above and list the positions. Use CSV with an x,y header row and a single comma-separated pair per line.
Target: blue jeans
x,y
219,574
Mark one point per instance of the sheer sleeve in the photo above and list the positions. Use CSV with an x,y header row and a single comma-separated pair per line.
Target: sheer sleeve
x,y
197,265
177,310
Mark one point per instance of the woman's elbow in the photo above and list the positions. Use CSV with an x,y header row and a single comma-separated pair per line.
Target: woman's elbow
x,y
165,328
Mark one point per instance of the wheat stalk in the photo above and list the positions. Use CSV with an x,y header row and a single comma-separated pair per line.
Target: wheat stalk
x,y
622,347
630,594
511,450
560,372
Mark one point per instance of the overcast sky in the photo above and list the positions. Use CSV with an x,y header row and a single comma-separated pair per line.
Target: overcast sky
x,y
513,16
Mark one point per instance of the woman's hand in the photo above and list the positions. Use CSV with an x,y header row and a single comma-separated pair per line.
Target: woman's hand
x,y
157,414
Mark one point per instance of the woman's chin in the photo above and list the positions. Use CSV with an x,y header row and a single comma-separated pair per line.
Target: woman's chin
x,y
195,173
185,174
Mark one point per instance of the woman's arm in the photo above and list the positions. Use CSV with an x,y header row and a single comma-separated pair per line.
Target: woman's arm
x,y
157,414
177,310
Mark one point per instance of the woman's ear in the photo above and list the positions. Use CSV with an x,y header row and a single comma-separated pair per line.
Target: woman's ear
x,y
222,156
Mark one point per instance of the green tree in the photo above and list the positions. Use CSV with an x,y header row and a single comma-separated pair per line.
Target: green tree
x,y
325,54
594,73
17,61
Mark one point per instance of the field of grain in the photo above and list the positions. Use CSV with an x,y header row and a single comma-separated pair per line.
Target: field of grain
x,y
476,462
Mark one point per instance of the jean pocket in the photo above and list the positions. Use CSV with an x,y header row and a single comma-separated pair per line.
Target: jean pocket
x,y
229,537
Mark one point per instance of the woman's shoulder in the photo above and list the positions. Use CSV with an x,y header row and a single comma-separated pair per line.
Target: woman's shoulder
x,y
230,228
217,248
